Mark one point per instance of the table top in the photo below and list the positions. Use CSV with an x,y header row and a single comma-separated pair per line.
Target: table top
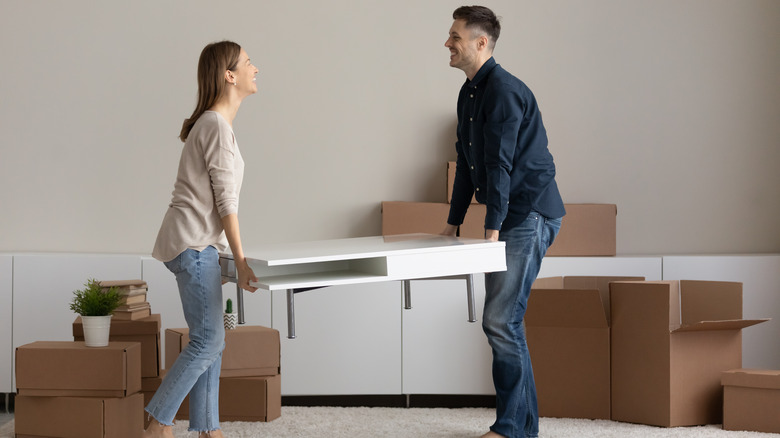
x,y
359,248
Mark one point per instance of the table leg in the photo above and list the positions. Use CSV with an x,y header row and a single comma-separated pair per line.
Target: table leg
x,y
470,297
240,303
406,288
290,314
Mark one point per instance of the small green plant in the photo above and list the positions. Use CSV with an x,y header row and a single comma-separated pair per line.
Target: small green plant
x,y
229,306
93,301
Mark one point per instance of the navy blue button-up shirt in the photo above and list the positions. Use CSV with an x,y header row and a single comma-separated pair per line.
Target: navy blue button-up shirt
x,y
502,152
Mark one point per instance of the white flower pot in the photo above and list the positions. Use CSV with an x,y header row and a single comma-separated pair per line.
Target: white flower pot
x,y
230,320
96,330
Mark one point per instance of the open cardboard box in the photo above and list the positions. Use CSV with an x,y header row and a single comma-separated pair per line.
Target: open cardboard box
x,y
414,217
567,330
72,369
751,400
145,331
250,350
82,417
671,341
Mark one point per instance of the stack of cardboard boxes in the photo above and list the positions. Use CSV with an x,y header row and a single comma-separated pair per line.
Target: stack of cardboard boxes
x,y
622,348
66,389
250,384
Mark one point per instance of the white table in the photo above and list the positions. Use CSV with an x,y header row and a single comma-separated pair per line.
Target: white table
x,y
303,266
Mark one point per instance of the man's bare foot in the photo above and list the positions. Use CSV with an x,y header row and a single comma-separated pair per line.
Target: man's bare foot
x,y
213,434
492,434
157,430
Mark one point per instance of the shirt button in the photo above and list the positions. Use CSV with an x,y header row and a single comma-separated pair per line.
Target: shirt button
x,y
472,167
477,188
471,119
471,96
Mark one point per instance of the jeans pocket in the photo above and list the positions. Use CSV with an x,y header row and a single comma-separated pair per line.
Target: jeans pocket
x,y
175,265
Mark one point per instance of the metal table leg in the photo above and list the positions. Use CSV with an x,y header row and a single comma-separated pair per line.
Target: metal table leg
x,y
240,304
290,314
470,297
406,288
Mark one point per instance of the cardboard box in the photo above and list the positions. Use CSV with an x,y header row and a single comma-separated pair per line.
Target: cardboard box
x,y
451,167
73,369
249,350
671,341
567,330
145,331
79,417
414,217
586,230
245,399
751,400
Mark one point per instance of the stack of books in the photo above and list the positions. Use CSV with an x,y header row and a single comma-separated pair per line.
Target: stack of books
x,y
133,304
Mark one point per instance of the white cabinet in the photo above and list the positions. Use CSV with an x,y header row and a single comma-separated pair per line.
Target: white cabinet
x,y
348,340
164,298
43,287
6,324
760,278
648,267
443,352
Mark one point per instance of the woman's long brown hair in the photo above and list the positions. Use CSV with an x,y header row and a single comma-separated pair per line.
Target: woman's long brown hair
x,y
214,60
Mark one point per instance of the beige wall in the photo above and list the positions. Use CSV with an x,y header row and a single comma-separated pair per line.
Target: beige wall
x,y
668,109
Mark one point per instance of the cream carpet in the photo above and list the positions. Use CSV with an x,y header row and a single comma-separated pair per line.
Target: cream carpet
x,y
330,422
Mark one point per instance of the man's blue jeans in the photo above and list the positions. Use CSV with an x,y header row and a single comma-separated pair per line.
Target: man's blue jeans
x,y
505,303
196,370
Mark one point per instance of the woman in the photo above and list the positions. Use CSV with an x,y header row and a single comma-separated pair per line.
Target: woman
x,y
200,222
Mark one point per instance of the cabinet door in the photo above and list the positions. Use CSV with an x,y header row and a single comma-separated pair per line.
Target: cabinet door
x,y
164,298
6,329
443,352
648,267
348,340
43,288
760,278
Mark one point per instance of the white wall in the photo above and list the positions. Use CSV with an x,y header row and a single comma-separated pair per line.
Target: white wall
x,y
668,109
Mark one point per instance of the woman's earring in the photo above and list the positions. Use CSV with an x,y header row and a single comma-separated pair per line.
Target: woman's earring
x,y
235,83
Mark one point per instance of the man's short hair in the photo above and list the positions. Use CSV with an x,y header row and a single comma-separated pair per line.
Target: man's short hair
x,y
481,18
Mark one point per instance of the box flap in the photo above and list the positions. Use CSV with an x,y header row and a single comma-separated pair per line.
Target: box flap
x,y
710,301
548,283
734,324
769,379
646,303
565,308
596,282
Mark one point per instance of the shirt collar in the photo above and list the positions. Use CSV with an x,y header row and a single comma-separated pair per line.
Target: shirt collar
x,y
486,68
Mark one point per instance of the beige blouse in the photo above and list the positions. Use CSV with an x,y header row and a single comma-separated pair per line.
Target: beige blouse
x,y
210,174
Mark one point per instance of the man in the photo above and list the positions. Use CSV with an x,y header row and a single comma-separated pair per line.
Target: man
x,y
503,159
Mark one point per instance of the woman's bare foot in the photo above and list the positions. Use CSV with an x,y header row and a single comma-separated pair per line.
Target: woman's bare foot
x,y
213,434
157,430
492,434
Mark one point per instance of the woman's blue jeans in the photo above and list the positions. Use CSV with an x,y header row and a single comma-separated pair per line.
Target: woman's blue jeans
x,y
196,370
505,303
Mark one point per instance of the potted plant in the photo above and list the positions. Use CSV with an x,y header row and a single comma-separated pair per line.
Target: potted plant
x,y
230,316
95,305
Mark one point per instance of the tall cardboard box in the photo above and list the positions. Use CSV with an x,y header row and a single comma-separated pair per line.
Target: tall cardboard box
x,y
414,217
249,350
79,417
145,331
73,369
567,330
671,341
751,400
586,230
